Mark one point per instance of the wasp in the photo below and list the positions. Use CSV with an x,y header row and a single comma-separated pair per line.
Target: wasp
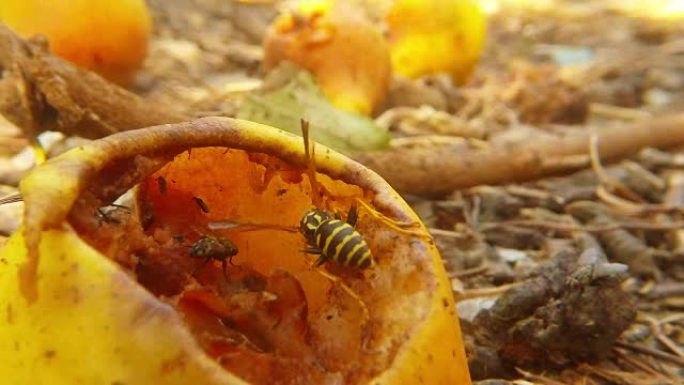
x,y
326,234
330,237
214,248
335,240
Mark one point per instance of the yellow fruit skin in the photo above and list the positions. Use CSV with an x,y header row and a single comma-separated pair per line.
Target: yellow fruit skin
x,y
91,324
435,354
436,36
346,53
105,36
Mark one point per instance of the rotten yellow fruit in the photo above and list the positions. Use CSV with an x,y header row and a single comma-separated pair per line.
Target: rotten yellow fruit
x,y
94,293
346,52
436,36
107,37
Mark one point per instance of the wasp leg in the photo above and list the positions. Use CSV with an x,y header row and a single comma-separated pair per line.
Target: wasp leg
x,y
349,291
352,216
316,251
321,260
312,250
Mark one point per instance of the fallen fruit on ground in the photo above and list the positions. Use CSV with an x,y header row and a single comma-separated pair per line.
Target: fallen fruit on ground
x,y
107,37
436,36
347,53
96,293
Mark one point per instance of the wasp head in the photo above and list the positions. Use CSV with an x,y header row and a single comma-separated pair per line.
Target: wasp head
x,y
310,222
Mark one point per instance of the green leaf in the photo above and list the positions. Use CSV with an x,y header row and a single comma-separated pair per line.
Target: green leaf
x,y
299,98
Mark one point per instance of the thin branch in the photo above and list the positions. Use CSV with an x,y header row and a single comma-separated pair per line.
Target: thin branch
x,y
538,378
635,363
616,112
485,292
674,318
631,208
661,337
40,91
469,272
445,167
605,179
651,352
446,233
589,228
11,198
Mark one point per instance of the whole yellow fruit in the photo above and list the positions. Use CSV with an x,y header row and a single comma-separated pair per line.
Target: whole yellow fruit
x,y
108,37
436,36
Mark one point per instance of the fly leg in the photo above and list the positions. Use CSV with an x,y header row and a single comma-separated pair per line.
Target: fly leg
x,y
198,268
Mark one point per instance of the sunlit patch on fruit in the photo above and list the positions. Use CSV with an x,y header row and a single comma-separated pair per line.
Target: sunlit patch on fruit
x,y
107,37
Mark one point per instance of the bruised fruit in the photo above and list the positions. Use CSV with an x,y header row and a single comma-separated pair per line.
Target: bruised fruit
x,y
96,293
107,37
346,53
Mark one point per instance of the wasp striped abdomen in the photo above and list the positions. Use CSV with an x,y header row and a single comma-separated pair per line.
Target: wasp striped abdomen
x,y
336,240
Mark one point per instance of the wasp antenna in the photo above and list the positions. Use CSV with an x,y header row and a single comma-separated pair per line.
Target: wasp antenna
x,y
310,153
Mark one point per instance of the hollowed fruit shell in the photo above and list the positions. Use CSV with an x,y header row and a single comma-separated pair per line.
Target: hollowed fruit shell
x,y
73,314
